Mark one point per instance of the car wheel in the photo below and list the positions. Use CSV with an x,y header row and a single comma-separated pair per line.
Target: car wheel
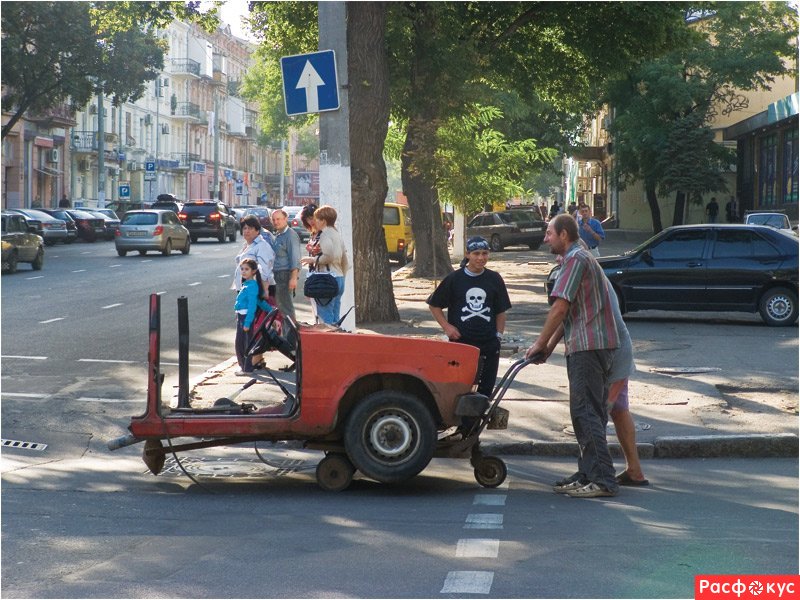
x,y
187,246
495,244
142,252
221,236
232,237
49,243
122,252
69,240
13,262
778,307
390,436
534,246
167,249
335,473
620,301
402,260
38,261
490,471
194,239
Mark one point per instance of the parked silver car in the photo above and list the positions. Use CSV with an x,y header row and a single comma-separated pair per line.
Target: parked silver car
x,y
51,229
158,230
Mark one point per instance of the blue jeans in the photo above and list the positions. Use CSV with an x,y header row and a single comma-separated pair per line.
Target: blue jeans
x,y
588,392
329,313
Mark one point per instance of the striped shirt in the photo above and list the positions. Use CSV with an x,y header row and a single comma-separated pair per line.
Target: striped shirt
x,y
590,322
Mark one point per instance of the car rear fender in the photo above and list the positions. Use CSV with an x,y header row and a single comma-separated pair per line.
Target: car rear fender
x,y
386,381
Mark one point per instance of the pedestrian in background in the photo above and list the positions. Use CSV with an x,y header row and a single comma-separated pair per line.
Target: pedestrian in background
x,y
590,229
581,303
476,300
286,244
328,254
307,219
712,210
732,211
543,210
64,202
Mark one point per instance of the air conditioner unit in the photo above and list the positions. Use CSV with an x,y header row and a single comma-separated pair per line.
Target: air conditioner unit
x,y
148,120
52,156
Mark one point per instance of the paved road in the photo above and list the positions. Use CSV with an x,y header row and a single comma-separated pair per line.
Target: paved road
x,y
98,527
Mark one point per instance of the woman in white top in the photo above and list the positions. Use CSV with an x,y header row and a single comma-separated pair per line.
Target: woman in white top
x,y
331,253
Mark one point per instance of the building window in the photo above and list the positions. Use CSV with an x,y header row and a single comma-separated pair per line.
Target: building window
x,y
766,176
790,166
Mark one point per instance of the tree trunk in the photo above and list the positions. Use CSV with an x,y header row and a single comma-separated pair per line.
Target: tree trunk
x,y
369,117
652,201
431,258
680,208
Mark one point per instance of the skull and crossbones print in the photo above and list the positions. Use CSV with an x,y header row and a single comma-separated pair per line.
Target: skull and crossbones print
x,y
476,299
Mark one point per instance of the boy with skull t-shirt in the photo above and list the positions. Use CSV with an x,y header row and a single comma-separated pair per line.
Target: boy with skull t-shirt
x,y
476,300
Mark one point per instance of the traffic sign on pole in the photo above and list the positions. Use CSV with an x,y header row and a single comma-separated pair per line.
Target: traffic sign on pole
x,y
310,84
124,190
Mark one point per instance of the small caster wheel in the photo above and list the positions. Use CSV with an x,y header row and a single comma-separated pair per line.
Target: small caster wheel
x,y
335,473
490,471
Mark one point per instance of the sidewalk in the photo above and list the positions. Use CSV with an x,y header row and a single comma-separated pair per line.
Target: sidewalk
x,y
678,412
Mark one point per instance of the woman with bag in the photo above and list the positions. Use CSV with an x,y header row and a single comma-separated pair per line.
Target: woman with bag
x,y
328,255
307,219
259,249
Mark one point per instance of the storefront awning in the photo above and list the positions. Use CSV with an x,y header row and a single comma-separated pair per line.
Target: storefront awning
x,y
48,171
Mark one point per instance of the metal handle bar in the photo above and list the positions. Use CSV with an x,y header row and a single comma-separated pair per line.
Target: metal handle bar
x,y
508,378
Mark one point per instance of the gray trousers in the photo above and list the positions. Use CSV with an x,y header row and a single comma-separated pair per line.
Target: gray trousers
x,y
283,296
588,393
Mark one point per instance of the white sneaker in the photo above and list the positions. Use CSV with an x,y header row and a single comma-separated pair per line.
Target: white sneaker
x,y
590,490
565,488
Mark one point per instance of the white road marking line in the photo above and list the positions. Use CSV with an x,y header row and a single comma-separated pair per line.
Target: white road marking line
x,y
113,266
195,283
490,499
80,271
484,521
115,305
222,276
103,360
160,293
51,320
86,252
23,395
146,260
468,582
24,357
107,400
477,548
34,277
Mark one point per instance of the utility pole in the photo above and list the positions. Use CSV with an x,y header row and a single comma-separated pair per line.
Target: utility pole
x,y
101,151
215,133
334,142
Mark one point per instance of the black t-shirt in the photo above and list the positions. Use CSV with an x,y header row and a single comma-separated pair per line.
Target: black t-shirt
x,y
473,303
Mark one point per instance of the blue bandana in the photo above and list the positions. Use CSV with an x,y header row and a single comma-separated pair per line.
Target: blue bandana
x,y
477,243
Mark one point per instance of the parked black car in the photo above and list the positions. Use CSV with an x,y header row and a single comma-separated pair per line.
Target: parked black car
x,y
508,228
90,226
745,268
110,224
208,218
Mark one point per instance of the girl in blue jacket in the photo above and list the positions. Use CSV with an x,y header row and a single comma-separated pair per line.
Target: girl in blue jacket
x,y
252,296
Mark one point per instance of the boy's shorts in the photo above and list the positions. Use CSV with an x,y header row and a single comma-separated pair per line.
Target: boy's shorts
x,y
621,403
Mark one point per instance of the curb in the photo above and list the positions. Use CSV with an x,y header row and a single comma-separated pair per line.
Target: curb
x,y
757,445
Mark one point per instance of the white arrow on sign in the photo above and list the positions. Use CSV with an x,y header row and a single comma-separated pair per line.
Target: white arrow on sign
x,y
310,80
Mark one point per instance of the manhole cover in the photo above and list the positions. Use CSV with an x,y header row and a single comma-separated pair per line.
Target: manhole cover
x,y
24,445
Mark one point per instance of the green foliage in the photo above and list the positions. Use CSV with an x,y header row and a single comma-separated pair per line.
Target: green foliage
x,y
109,18
308,140
665,108
478,165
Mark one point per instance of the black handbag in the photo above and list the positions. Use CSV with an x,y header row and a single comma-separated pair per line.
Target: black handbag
x,y
321,286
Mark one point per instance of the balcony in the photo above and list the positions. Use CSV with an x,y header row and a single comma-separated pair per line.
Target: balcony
x,y
185,67
86,142
185,160
57,116
186,110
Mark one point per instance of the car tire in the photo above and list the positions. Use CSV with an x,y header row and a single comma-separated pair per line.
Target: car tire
x,y
122,253
167,249
187,246
534,246
778,307
142,252
390,436
495,244
38,262
402,260
232,236
221,237
194,239
13,262
620,300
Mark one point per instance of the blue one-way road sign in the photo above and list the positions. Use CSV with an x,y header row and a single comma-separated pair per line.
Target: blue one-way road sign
x,y
309,83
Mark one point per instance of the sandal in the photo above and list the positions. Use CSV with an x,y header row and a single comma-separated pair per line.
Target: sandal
x,y
625,479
